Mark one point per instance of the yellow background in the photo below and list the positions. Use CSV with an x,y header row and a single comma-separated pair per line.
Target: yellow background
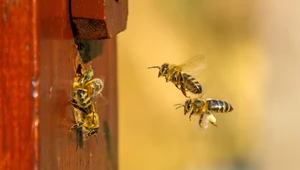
x,y
252,52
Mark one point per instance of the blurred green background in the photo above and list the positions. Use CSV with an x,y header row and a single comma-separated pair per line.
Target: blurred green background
x,y
252,52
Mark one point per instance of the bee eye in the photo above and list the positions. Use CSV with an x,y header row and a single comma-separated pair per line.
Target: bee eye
x,y
165,68
188,106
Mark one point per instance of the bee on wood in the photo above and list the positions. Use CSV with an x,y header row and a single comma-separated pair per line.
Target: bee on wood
x,y
181,75
205,108
88,119
85,91
88,125
83,79
91,125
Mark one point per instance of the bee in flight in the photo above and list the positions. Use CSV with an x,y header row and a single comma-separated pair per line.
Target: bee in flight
x,y
205,108
181,75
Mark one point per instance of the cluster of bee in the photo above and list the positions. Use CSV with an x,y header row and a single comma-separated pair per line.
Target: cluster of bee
x,y
85,91
182,77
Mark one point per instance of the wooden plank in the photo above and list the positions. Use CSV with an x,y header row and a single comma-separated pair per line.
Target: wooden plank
x,y
19,89
59,145
94,19
37,67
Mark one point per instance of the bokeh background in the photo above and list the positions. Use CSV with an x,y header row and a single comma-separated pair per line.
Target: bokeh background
x,y
253,62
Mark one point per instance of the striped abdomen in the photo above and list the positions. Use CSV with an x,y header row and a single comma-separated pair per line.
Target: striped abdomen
x,y
218,106
82,101
191,84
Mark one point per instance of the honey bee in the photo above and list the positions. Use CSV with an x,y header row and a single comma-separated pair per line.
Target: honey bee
x,y
181,75
85,90
83,79
90,121
87,119
89,125
205,108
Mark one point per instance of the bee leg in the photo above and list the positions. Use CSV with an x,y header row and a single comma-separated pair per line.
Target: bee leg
x,y
166,79
191,115
200,120
214,124
70,101
182,88
75,126
86,138
97,140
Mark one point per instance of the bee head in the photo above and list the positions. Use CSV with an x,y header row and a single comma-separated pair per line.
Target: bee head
x,y
93,132
164,69
187,106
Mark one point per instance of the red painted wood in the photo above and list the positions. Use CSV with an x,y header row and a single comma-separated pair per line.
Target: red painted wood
x,y
19,67
96,19
37,69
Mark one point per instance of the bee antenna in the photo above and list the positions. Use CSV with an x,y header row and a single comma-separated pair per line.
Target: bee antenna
x,y
154,67
179,105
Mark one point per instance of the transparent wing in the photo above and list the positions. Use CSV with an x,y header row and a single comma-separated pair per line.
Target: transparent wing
x,y
194,65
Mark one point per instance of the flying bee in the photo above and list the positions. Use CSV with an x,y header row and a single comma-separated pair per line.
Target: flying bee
x,y
205,108
181,75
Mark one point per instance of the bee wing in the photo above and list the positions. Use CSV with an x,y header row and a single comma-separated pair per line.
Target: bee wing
x,y
194,65
95,98
79,137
